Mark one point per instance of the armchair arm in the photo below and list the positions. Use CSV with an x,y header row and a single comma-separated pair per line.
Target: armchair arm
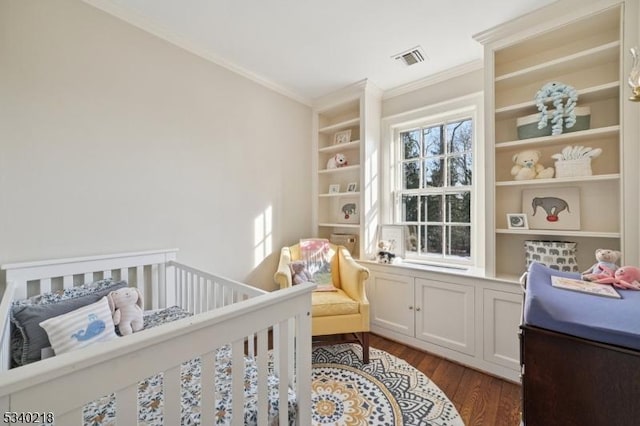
x,y
352,276
283,275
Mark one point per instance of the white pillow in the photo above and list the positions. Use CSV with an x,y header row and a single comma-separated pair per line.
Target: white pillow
x,y
80,328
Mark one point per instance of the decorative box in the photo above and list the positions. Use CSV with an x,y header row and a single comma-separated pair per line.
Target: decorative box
x,y
528,125
573,168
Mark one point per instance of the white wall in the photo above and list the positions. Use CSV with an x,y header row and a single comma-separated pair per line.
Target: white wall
x,y
114,140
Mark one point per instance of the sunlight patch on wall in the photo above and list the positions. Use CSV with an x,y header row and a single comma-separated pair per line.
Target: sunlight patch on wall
x,y
262,236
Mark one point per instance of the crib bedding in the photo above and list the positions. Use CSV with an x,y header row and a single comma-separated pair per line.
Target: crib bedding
x,y
596,318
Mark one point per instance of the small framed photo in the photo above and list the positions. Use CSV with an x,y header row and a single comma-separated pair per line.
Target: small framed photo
x,y
348,210
517,221
334,188
342,137
391,238
352,187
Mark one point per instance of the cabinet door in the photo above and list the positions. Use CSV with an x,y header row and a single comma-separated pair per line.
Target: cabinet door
x,y
502,312
445,315
391,302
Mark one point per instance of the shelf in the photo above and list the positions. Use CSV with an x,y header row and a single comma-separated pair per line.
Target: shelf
x,y
586,95
339,225
583,135
585,59
340,194
558,233
339,169
559,181
340,126
339,147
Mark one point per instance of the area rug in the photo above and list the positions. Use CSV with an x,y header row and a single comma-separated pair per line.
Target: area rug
x,y
387,391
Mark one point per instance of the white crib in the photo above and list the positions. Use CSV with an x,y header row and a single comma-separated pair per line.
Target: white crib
x,y
226,312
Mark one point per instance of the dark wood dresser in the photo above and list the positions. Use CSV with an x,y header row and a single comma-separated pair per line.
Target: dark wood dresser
x,y
571,381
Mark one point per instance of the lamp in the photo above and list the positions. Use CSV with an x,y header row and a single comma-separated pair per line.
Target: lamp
x,y
634,74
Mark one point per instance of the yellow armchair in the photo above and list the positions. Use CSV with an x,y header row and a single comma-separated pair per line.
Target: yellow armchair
x,y
344,311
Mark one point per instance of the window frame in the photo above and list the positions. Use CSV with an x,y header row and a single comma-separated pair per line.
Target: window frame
x,y
467,107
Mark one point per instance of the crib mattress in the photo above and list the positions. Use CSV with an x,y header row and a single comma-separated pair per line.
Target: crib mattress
x,y
601,319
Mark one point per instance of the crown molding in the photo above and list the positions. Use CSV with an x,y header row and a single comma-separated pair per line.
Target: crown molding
x,y
145,24
434,79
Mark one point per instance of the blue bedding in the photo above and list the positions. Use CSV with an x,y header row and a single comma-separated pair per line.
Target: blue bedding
x,y
597,318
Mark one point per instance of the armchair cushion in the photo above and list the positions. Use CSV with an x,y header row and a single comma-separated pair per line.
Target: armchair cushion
x,y
325,304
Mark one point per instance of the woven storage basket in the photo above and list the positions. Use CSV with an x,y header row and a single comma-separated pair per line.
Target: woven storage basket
x,y
573,168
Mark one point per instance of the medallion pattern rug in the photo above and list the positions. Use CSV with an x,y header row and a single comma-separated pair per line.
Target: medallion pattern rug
x,y
387,391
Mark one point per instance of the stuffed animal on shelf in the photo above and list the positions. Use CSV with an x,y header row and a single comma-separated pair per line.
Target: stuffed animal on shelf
x,y
338,160
527,166
605,259
625,277
126,307
385,257
299,273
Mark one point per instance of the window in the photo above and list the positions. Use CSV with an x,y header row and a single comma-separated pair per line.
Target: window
x,y
434,186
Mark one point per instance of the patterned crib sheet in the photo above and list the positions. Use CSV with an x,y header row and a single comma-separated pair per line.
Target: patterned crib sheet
x,y
150,394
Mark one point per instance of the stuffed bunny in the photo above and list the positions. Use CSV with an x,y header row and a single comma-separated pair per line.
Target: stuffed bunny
x,y
126,306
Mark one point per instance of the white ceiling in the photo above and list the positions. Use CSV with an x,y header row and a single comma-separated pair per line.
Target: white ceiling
x,y
308,48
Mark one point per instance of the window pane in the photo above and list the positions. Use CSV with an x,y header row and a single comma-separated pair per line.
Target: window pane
x,y
411,144
459,136
433,143
459,207
433,173
434,240
411,175
433,206
409,208
412,239
459,241
460,170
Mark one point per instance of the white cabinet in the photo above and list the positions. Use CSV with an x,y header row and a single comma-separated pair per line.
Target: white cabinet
x,y
584,47
470,320
347,123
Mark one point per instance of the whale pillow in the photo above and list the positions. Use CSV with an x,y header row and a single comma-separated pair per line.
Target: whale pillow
x,y
80,328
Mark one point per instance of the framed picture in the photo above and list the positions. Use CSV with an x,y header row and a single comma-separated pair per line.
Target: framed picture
x,y
552,208
348,210
394,236
352,187
517,221
342,137
334,188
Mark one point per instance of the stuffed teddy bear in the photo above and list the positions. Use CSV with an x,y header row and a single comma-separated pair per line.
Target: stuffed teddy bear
x,y
605,259
625,277
338,160
126,307
299,273
527,166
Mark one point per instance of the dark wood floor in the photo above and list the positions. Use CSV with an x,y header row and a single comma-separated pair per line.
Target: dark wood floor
x,y
480,399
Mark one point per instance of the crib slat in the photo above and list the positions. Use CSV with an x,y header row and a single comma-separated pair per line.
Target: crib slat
x,y
67,281
172,396
126,406
262,361
237,382
140,279
207,403
162,285
283,383
88,277
106,274
45,285
303,371
124,274
154,287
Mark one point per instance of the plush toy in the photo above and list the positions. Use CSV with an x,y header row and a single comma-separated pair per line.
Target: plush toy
x,y
625,277
338,160
299,273
527,166
126,307
385,257
605,259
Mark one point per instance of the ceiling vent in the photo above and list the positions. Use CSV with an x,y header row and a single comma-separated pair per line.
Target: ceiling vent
x,y
410,57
